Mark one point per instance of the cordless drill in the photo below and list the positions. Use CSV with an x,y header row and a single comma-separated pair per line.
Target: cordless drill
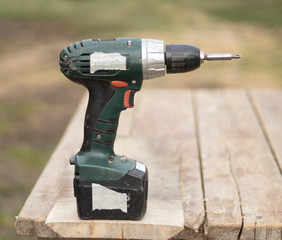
x,y
106,185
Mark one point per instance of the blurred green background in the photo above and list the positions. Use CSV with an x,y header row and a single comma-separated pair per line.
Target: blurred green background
x,y
37,101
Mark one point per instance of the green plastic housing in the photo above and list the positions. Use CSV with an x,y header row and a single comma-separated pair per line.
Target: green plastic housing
x,y
98,161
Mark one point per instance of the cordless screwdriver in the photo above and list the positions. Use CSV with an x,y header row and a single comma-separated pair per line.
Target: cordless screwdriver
x,y
106,185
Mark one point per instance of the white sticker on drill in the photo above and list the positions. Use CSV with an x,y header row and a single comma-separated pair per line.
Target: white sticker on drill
x,y
140,166
104,198
107,61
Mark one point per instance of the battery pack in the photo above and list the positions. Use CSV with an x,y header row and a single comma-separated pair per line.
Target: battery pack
x,y
122,199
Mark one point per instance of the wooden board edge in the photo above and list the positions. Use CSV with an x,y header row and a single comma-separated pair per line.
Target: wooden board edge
x,y
64,221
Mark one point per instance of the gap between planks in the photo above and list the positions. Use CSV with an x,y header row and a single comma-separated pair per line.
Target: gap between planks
x,y
256,98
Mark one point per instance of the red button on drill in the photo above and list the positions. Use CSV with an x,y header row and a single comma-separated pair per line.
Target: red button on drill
x,y
126,99
119,84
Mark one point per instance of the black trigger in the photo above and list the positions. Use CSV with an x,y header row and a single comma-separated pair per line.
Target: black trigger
x,y
131,98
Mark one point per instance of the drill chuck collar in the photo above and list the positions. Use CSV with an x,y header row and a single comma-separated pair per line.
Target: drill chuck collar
x,y
107,185
181,58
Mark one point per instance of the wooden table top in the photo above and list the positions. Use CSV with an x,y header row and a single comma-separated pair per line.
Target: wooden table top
x,y
214,160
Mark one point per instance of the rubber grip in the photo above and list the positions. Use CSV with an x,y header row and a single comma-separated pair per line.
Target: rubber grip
x,y
100,93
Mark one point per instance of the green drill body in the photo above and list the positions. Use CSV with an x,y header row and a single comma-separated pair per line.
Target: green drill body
x,y
106,103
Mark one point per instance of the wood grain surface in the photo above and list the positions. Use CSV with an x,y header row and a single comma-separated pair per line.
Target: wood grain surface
x,y
214,160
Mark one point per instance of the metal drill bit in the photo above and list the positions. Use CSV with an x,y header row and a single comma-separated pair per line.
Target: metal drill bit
x,y
219,56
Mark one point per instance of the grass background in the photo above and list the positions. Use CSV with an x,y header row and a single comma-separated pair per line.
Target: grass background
x,y
36,101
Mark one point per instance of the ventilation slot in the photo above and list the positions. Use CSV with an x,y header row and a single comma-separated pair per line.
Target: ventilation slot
x,y
85,70
84,58
106,71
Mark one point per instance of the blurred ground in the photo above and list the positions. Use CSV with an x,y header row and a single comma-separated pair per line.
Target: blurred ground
x,y
36,101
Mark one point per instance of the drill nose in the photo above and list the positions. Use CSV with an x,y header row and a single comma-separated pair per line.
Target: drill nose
x,y
68,66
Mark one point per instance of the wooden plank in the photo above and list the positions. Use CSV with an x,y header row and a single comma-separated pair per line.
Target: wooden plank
x,y
268,106
239,167
255,170
160,151
63,220
221,194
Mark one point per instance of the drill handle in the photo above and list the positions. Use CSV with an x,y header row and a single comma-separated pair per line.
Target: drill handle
x,y
100,93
